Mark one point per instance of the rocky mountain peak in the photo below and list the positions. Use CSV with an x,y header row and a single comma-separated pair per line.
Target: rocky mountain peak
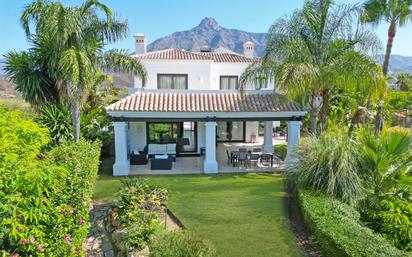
x,y
209,23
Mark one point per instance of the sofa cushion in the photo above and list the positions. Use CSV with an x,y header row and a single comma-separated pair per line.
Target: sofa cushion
x,y
152,148
161,149
171,148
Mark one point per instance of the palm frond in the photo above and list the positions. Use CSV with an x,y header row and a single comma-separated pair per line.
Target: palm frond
x,y
120,61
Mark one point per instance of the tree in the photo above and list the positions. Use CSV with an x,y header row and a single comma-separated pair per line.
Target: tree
x,y
404,81
69,43
395,12
317,48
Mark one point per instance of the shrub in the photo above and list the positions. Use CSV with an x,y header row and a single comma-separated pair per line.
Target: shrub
x,y
391,216
57,119
328,164
20,137
180,243
96,125
281,151
385,159
140,210
44,203
338,231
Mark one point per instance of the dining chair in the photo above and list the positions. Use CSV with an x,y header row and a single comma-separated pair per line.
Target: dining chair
x,y
253,159
242,158
242,150
229,157
265,159
256,150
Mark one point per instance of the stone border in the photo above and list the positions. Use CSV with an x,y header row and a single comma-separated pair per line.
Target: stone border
x,y
173,217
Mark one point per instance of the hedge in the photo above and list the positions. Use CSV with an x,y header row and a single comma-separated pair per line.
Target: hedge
x,y
338,231
44,200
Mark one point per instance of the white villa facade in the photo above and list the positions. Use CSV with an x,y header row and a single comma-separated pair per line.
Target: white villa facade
x,y
191,102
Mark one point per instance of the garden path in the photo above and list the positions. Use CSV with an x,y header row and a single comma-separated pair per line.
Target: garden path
x,y
99,243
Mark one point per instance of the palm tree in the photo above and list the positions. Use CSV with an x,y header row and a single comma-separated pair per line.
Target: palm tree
x,y
404,81
69,43
395,12
314,50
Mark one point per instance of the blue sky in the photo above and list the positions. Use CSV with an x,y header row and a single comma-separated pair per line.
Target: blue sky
x,y
162,17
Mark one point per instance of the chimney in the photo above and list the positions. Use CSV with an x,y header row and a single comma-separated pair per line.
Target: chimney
x,y
140,43
249,49
205,49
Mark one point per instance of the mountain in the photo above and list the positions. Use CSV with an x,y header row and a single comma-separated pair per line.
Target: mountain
x,y
210,33
397,63
2,66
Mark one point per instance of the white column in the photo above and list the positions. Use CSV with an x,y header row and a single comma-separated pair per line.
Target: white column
x,y
210,163
293,140
268,137
121,166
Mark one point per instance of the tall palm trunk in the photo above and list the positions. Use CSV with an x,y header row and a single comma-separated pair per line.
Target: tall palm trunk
x,y
75,110
316,104
391,36
324,110
313,119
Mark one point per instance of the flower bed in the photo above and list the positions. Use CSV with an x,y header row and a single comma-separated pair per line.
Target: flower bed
x,y
137,216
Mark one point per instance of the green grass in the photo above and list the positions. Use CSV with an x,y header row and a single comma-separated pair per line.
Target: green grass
x,y
242,215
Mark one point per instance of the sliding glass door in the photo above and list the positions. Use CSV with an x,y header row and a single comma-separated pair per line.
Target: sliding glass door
x,y
231,131
184,134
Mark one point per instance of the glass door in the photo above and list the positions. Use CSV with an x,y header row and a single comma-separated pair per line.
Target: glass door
x,y
188,137
184,134
231,131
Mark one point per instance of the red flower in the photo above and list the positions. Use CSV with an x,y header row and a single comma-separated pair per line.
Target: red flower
x,y
23,241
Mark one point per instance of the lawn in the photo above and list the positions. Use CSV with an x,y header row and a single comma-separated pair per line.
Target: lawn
x,y
242,215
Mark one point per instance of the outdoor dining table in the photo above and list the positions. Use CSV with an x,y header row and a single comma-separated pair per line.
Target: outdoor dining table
x,y
235,154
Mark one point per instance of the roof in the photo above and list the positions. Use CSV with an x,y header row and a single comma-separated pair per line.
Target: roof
x,y
177,54
203,101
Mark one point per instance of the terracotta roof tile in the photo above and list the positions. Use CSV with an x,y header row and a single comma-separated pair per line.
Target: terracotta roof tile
x,y
176,54
192,101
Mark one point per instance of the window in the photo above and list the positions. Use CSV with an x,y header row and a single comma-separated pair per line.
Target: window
x,y
229,82
260,83
162,132
172,81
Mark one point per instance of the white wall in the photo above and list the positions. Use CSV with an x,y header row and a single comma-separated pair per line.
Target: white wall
x,y
137,135
202,75
198,72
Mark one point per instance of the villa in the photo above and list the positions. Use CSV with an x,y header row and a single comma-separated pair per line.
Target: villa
x,y
191,105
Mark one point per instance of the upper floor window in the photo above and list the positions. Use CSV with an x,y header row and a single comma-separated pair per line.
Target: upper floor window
x,y
260,83
229,82
172,81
